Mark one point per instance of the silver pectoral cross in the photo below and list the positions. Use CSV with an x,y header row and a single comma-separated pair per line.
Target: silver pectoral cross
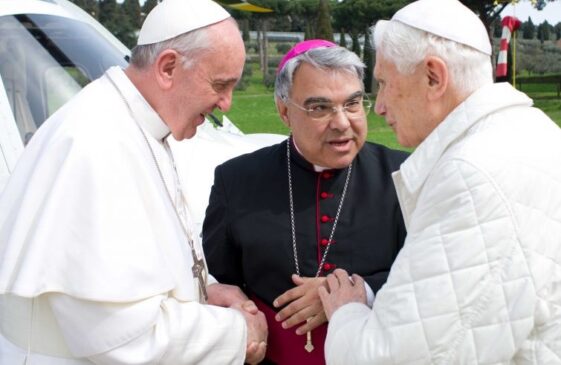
x,y
198,270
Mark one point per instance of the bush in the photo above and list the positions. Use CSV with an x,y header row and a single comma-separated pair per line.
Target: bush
x,y
246,75
252,47
282,48
269,79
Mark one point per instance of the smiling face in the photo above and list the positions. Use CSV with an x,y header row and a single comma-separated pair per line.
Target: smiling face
x,y
401,102
207,84
332,142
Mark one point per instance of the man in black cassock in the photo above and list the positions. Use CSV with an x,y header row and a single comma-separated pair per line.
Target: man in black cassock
x,y
281,218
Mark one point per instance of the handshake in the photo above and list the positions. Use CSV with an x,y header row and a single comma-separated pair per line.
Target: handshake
x,y
231,296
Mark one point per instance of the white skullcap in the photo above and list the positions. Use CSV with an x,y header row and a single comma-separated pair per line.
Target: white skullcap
x,y
171,18
448,19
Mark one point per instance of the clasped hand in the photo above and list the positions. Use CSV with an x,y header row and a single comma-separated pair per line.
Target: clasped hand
x,y
301,305
340,290
231,296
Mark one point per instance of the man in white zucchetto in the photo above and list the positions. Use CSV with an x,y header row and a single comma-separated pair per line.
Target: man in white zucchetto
x,y
478,280
99,263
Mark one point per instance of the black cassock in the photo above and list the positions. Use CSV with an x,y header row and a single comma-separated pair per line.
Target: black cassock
x,y
247,229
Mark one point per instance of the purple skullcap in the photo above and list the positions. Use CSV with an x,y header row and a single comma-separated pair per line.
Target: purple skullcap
x,y
303,47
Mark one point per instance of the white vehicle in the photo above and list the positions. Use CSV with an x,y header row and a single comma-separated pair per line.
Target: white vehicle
x,y
49,50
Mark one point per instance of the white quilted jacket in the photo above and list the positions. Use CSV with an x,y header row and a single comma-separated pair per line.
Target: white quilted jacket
x,y
479,278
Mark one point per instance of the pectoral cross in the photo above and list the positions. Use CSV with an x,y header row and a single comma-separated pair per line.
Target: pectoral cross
x,y
309,345
198,269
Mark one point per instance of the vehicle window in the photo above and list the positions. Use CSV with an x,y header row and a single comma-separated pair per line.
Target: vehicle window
x,y
45,60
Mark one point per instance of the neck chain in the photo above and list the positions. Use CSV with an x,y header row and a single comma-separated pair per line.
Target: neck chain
x,y
292,220
199,267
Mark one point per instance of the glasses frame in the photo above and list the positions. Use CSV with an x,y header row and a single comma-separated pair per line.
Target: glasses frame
x,y
366,107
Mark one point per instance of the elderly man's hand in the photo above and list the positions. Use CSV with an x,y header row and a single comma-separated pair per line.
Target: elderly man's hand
x,y
302,305
256,345
224,295
341,290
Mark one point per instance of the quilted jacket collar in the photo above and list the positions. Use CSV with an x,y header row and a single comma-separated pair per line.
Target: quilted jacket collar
x,y
416,169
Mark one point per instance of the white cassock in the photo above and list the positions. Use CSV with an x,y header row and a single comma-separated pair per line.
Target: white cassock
x,y
94,263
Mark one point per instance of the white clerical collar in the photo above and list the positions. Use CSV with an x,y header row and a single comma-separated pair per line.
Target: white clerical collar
x,y
316,167
142,112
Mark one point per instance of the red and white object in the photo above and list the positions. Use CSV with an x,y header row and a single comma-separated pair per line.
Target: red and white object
x,y
510,25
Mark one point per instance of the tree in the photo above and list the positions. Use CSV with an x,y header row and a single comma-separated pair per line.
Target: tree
x,y
148,6
89,6
497,28
369,62
343,38
109,15
324,29
132,10
544,31
528,29
557,30
490,10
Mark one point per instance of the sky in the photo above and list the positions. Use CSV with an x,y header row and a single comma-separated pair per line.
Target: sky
x,y
523,10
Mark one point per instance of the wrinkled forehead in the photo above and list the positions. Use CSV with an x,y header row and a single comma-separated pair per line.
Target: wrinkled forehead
x,y
328,83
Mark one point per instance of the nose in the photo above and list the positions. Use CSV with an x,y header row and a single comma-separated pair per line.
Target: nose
x,y
339,119
225,101
379,106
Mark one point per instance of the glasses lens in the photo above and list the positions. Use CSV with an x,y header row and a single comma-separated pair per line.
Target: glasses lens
x,y
320,111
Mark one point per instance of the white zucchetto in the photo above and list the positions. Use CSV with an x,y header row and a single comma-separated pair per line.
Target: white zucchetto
x,y
448,19
171,18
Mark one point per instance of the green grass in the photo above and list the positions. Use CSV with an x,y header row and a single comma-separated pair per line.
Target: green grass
x,y
253,111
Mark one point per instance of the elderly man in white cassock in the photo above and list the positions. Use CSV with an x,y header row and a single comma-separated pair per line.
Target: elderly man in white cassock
x,y
99,263
478,280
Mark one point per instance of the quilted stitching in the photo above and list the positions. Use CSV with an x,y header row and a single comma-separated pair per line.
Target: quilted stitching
x,y
479,278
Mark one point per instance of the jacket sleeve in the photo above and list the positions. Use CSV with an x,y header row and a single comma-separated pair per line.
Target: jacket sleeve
x,y
158,330
222,253
459,282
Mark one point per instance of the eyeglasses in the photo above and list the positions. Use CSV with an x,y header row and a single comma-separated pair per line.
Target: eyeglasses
x,y
353,109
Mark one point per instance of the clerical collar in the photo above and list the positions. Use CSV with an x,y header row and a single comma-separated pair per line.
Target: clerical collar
x,y
142,112
316,167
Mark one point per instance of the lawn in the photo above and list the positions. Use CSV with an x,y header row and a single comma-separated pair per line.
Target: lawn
x,y
253,111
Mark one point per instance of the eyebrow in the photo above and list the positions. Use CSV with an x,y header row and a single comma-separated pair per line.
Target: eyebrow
x,y
319,99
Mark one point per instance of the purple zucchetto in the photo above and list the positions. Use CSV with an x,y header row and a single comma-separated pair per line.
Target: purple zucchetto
x,y
303,47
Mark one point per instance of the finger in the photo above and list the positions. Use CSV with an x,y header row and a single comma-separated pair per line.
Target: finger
x,y
312,324
303,315
358,280
332,283
251,348
298,280
250,307
258,355
342,277
288,296
295,306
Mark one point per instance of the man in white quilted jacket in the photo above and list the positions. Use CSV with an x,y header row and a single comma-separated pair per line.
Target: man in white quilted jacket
x,y
479,278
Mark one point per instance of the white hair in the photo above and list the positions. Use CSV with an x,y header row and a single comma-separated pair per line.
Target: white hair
x,y
190,45
406,47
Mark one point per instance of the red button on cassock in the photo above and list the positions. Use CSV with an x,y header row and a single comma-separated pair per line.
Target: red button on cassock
x,y
327,266
326,175
324,241
324,195
325,218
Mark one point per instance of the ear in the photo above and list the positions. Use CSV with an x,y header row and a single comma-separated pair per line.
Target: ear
x,y
437,77
283,111
166,66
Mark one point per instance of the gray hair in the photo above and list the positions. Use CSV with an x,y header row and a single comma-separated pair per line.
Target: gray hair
x,y
190,45
406,47
331,58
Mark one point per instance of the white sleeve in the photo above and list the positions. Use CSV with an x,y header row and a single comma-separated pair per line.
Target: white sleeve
x,y
369,294
158,330
459,284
